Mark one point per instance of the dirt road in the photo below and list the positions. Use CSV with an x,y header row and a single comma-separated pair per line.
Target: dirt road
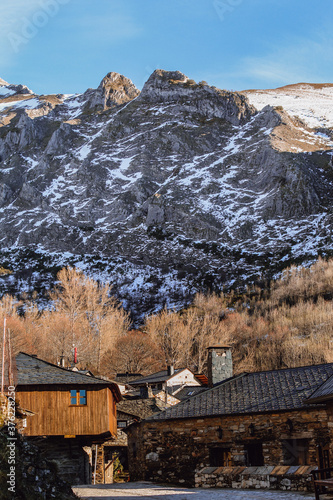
x,y
149,491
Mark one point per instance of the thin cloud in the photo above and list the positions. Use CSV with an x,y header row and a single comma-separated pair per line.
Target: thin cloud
x,y
13,13
20,21
113,27
300,60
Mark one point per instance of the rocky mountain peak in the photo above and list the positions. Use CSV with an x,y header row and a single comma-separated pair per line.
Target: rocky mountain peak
x,y
114,89
162,79
3,82
21,89
173,87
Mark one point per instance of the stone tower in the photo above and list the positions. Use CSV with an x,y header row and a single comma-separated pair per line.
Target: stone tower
x,y
219,364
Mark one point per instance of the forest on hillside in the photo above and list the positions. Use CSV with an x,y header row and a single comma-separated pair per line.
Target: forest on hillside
x,y
287,323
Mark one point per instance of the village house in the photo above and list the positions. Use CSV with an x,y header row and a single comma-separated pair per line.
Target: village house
x,y
144,396
73,414
252,430
130,410
123,380
166,384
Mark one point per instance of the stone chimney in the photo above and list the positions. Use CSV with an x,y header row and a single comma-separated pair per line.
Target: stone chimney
x,y
170,370
146,392
219,364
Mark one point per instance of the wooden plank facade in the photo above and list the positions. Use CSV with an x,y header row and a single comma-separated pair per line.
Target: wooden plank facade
x,y
71,414
64,402
54,415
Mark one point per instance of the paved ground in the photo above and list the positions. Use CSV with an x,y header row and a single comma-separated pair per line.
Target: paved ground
x,y
149,491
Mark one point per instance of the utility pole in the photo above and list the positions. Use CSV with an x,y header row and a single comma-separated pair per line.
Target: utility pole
x,y
10,366
3,357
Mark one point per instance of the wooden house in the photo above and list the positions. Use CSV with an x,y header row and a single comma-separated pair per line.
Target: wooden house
x,y
72,411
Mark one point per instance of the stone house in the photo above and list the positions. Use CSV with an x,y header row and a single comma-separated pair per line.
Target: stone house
x,y
130,410
165,384
249,430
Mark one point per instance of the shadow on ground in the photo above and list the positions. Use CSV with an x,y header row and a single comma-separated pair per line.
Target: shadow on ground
x,y
150,491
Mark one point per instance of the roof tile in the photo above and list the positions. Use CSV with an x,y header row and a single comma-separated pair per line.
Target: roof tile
x,y
273,390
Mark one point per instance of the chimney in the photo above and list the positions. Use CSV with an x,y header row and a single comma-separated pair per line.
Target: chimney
x,y
219,364
170,370
146,392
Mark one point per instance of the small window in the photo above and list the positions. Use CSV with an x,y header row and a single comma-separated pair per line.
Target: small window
x,y
254,455
78,397
83,397
220,457
121,424
73,397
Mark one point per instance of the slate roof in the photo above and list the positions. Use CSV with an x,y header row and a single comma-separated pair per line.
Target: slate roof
x,y
141,408
188,392
34,371
126,378
155,378
323,393
267,391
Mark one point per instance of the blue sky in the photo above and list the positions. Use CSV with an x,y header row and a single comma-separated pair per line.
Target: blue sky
x,y
67,46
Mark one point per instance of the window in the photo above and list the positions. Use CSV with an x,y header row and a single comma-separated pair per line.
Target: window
x,y
121,424
254,454
220,457
78,397
295,451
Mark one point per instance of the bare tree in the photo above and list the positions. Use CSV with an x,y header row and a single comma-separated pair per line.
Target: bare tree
x,y
133,353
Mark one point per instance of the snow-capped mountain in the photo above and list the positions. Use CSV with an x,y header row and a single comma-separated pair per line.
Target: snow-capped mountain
x,y
176,188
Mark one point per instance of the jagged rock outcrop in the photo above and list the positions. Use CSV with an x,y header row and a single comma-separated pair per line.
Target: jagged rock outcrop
x,y
114,90
178,188
175,88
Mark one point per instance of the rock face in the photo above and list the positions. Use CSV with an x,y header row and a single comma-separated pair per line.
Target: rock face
x,y
178,188
113,90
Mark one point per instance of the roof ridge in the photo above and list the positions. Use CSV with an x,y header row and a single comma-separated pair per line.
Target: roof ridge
x,y
287,369
236,397
89,377
159,373
205,391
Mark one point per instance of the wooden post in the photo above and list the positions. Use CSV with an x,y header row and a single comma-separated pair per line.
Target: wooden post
x,y
95,467
3,357
10,366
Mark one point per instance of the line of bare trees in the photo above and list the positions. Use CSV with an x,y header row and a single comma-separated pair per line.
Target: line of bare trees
x,y
288,324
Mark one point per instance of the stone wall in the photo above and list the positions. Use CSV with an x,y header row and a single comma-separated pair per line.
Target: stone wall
x,y
31,477
173,450
296,478
70,456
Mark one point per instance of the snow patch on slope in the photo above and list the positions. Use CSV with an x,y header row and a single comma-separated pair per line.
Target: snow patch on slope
x,y
25,103
311,103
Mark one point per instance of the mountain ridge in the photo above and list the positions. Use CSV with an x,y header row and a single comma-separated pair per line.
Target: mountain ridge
x,y
177,188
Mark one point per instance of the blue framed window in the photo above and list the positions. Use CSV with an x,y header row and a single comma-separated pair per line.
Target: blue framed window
x,y
83,397
73,397
78,397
